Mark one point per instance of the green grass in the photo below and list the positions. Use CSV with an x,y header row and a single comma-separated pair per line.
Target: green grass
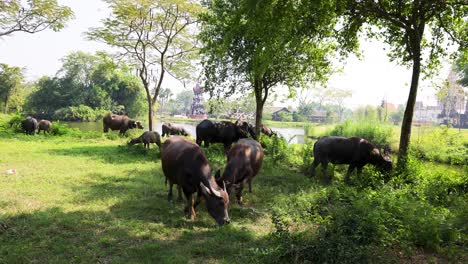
x,y
83,199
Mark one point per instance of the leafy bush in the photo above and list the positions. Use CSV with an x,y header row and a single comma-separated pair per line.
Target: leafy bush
x,y
275,147
15,122
376,133
442,145
341,224
79,113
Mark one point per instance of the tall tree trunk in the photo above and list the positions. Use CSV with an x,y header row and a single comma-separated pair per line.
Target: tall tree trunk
x,y
6,104
259,108
150,115
408,116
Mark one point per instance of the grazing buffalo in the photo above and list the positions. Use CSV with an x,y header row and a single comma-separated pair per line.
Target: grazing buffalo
x,y
246,126
356,152
267,131
168,129
219,132
244,160
120,122
147,138
44,125
29,125
185,164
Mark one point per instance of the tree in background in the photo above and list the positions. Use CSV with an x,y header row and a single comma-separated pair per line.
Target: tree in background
x,y
417,32
94,81
253,46
11,82
154,35
337,97
164,96
32,16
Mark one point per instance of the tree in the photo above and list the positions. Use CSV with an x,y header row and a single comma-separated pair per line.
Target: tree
x,y
95,81
254,46
154,35
11,79
164,96
337,97
415,30
32,16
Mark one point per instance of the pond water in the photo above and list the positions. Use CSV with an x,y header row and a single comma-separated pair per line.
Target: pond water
x,y
292,135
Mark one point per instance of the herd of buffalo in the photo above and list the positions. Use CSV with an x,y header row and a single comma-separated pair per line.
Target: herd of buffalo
x,y
185,164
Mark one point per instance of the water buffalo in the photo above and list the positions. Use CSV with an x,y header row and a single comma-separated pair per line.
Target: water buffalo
x,y
355,151
29,125
244,160
246,126
168,129
147,138
120,122
185,164
219,132
267,131
44,125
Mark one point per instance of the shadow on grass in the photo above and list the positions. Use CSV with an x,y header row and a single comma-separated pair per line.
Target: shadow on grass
x,y
56,236
112,154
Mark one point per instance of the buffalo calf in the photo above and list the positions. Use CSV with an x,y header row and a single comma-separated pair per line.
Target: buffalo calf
x,y
147,138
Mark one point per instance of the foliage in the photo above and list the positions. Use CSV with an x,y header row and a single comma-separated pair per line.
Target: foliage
x,y
336,225
285,116
11,82
154,35
182,104
32,16
378,134
95,81
462,68
257,45
442,145
79,113
15,122
418,33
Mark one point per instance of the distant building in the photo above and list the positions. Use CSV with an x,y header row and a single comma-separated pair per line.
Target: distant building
x,y
318,117
275,111
426,114
452,102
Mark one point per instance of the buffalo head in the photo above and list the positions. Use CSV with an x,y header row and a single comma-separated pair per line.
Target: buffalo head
x,y
139,125
217,201
383,161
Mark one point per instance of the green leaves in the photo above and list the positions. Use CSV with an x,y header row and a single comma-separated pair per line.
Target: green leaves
x,y
32,16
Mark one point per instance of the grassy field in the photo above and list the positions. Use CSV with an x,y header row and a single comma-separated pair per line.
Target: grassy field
x,y
81,200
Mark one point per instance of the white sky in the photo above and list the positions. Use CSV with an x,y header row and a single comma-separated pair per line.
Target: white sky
x,y
371,79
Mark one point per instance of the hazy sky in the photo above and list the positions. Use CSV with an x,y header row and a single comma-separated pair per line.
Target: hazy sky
x,y
371,79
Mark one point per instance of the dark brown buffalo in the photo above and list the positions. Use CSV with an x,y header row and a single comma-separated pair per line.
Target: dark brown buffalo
x,y
184,163
219,132
120,122
357,152
29,125
147,138
244,160
168,129
44,125
246,126
267,131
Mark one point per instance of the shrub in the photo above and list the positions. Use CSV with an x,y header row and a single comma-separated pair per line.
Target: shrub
x,y
15,122
79,113
376,133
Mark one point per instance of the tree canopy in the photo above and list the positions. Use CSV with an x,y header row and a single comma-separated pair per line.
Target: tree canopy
x,y
253,45
95,81
11,80
418,32
32,16
156,36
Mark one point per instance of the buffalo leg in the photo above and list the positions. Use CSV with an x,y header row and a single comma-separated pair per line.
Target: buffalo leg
x,y
350,170
179,191
239,195
312,169
197,202
324,168
359,170
189,210
169,195
198,141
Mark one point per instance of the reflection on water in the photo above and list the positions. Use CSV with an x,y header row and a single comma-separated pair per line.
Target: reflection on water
x,y
292,135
